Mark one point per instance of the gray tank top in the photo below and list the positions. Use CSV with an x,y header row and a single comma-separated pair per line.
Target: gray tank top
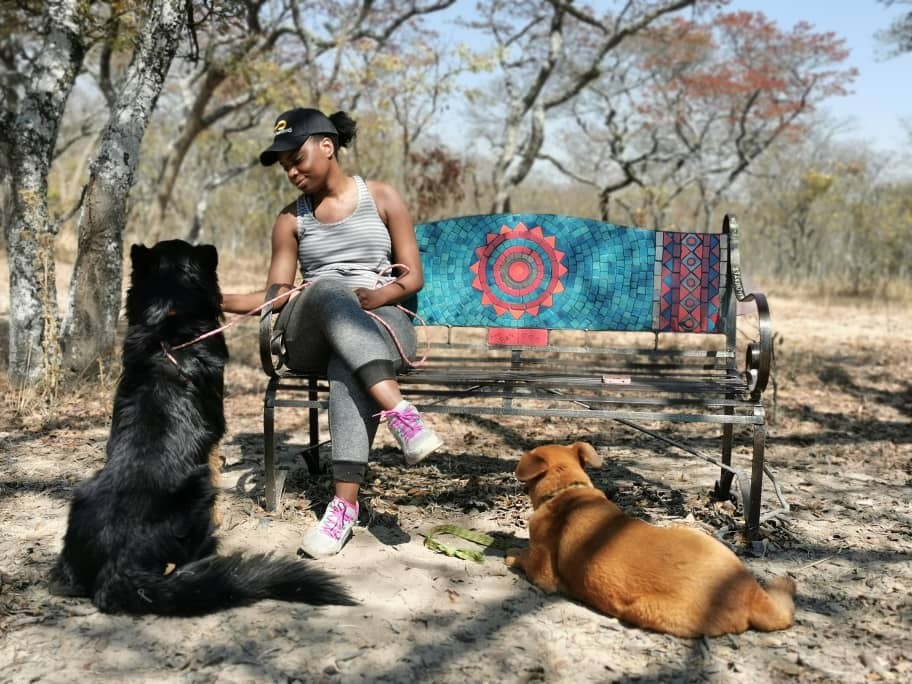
x,y
356,249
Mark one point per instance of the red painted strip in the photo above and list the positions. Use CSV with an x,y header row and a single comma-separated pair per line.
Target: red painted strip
x,y
675,248
704,285
525,337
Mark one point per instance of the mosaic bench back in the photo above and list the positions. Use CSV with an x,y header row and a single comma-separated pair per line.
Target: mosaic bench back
x,y
542,271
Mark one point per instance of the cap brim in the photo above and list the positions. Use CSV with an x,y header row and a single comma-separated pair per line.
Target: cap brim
x,y
271,155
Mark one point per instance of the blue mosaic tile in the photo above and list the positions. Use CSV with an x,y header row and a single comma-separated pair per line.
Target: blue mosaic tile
x,y
555,272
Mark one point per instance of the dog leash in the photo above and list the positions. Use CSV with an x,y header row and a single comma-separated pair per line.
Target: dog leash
x,y
389,328
167,351
237,319
485,540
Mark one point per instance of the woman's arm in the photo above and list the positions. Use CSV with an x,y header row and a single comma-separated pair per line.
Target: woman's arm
x,y
395,215
282,267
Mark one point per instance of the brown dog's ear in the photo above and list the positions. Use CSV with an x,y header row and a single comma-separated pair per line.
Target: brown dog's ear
x,y
587,454
530,465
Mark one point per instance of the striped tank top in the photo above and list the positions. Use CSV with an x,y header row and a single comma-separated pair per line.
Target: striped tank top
x,y
356,249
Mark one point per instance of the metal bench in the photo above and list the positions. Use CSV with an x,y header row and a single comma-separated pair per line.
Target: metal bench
x,y
525,311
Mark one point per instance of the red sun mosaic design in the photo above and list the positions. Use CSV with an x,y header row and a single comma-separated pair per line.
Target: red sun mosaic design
x,y
519,271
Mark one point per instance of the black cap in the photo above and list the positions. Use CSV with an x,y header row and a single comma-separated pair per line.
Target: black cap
x,y
292,128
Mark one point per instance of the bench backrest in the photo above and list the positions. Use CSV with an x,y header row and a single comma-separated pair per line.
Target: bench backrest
x,y
522,273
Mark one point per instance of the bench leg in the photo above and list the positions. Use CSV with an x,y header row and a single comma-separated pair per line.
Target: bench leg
x,y
752,512
269,468
312,455
723,486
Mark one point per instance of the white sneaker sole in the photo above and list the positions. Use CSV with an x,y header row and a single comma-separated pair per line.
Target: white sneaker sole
x,y
324,553
426,450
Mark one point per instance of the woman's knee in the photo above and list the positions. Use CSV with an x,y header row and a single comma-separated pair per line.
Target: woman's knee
x,y
328,300
328,288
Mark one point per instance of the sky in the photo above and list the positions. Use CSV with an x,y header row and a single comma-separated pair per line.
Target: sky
x,y
882,93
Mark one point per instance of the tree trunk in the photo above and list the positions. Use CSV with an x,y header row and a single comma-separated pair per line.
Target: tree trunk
x,y
499,179
213,183
29,135
95,289
515,159
191,127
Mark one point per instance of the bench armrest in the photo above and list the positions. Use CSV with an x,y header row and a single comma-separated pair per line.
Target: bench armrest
x,y
266,332
759,357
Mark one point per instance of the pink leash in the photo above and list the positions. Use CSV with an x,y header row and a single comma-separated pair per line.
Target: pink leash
x,y
389,328
413,364
229,324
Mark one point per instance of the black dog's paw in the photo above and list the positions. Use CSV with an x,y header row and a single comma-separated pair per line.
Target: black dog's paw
x,y
62,582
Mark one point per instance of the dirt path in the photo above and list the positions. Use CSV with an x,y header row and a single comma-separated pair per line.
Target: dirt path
x,y
840,448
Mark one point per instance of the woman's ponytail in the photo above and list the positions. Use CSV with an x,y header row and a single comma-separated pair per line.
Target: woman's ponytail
x,y
346,126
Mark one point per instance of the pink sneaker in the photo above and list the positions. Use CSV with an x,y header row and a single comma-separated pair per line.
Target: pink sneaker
x,y
333,530
416,439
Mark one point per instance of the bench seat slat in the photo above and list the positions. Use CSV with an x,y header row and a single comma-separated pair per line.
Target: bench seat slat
x,y
609,364
698,384
592,400
606,414
658,383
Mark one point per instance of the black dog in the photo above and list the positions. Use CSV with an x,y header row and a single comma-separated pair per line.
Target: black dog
x,y
140,533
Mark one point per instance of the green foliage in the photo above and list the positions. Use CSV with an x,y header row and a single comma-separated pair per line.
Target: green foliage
x,y
828,215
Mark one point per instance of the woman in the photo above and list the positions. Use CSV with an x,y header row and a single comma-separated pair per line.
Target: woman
x,y
343,233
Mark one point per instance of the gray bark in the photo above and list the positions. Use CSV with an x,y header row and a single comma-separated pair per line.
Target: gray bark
x,y
95,289
29,135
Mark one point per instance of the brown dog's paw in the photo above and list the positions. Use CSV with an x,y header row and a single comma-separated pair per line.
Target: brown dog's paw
x,y
217,513
216,462
513,557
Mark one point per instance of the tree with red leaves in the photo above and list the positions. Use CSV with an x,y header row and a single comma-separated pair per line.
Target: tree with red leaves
x,y
696,102
547,53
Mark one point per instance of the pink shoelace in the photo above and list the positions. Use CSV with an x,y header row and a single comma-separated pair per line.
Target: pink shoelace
x,y
336,518
407,422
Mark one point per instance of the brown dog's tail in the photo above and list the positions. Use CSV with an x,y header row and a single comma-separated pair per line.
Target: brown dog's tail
x,y
774,607
218,582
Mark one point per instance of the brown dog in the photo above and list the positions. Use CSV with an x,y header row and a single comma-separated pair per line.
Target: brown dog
x,y
215,468
675,579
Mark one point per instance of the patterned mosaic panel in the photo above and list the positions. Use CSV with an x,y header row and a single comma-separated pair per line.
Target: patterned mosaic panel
x,y
541,271
536,271
689,270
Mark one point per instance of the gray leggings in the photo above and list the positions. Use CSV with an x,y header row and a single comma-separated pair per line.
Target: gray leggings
x,y
324,329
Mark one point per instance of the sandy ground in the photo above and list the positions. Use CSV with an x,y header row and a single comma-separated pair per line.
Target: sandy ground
x,y
839,447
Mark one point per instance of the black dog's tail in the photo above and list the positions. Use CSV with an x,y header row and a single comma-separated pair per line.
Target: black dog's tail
x,y
218,582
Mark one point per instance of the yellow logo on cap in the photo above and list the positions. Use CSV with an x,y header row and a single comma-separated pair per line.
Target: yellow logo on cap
x,y
280,125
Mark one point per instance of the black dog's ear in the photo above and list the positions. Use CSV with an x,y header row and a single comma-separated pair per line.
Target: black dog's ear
x,y
141,258
207,256
139,254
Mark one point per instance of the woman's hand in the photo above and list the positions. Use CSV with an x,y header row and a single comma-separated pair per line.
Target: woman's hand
x,y
370,298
